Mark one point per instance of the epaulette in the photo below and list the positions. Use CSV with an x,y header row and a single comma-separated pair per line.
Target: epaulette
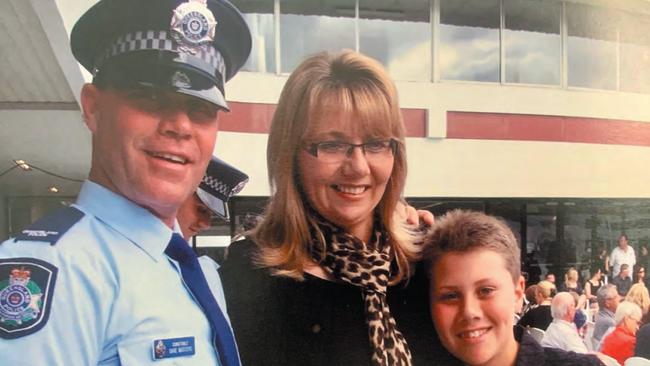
x,y
51,227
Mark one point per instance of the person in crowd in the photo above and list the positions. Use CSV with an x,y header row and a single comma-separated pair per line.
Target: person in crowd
x,y
530,302
644,256
622,254
93,286
562,332
621,342
638,275
638,294
570,282
220,182
593,284
310,284
602,261
473,308
194,216
608,301
540,317
642,348
623,281
550,277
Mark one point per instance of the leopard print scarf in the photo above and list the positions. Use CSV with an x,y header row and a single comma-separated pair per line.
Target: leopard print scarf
x,y
350,260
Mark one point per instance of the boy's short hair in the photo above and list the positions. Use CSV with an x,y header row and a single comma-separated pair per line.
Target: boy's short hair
x,y
460,231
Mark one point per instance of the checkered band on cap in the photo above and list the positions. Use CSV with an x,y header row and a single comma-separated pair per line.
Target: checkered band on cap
x,y
218,186
161,41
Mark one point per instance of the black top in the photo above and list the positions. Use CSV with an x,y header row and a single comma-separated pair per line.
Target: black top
x,y
532,353
282,321
566,288
539,317
622,284
642,348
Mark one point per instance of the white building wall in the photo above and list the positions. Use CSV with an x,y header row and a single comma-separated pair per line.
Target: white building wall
x,y
441,167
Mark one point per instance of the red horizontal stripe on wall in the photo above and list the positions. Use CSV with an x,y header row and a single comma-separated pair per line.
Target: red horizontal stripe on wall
x,y
256,118
525,127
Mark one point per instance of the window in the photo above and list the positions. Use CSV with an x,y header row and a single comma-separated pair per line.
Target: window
x,y
308,27
259,17
635,53
398,34
469,40
533,46
591,46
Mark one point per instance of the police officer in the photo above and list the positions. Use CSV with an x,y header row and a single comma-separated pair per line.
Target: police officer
x,y
220,182
108,281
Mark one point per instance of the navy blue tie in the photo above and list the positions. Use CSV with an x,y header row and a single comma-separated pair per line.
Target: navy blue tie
x,y
179,250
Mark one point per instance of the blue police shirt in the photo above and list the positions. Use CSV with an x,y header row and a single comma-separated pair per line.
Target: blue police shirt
x,y
116,298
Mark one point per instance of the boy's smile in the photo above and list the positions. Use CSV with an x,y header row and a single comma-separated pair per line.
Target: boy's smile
x,y
473,301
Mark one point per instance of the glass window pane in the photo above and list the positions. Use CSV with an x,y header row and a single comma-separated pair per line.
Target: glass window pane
x,y
398,34
532,41
469,40
591,46
635,53
259,17
308,27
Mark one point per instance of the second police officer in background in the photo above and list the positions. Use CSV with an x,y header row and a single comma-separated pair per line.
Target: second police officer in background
x,y
109,280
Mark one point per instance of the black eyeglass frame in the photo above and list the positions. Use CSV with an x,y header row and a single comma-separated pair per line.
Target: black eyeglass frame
x,y
313,148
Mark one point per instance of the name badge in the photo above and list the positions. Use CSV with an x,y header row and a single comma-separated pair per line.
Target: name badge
x,y
173,347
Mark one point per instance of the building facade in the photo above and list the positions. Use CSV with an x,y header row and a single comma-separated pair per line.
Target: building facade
x,y
534,110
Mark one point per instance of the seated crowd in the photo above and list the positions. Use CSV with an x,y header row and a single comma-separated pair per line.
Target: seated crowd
x,y
603,318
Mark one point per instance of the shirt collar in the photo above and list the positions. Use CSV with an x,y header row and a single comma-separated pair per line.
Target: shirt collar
x,y
565,323
134,222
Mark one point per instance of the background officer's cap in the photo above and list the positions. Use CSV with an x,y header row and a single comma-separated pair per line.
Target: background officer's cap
x,y
187,46
220,182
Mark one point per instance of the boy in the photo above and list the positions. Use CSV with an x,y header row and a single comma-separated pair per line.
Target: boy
x,y
473,261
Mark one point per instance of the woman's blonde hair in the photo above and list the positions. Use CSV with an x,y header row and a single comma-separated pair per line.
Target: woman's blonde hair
x,y
638,294
546,289
346,82
571,274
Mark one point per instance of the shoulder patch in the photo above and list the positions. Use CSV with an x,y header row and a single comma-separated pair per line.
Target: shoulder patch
x,y
26,289
51,227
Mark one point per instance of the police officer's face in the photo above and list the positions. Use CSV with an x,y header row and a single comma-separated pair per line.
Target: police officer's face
x,y
193,216
149,146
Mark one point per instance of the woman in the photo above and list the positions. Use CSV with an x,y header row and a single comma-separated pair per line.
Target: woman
x,y
309,285
620,343
638,294
571,283
602,261
540,317
639,274
593,284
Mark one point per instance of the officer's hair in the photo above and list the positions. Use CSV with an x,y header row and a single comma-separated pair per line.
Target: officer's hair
x,y
323,86
461,231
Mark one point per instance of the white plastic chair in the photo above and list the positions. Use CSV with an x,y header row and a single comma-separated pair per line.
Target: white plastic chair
x,y
637,361
609,361
536,333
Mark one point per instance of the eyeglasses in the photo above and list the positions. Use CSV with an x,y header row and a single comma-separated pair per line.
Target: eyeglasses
x,y
337,151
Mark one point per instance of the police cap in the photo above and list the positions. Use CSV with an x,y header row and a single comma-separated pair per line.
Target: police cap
x,y
220,182
188,46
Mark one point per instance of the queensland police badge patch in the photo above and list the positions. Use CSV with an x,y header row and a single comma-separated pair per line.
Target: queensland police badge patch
x,y
26,288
